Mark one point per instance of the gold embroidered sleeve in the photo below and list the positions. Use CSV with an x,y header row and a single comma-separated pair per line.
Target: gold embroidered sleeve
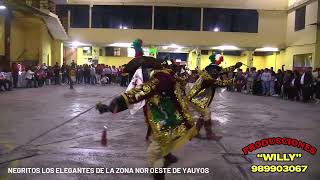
x,y
229,69
197,87
140,92
224,83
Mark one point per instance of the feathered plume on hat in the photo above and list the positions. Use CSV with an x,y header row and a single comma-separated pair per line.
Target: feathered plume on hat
x,y
137,46
216,58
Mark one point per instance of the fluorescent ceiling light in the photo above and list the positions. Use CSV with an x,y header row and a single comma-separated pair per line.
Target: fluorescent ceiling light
x,y
179,51
267,49
3,7
226,47
216,29
172,46
123,27
86,48
76,44
120,45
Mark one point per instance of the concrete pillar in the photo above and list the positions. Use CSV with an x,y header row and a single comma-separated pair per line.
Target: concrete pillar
x,y
152,17
198,58
90,15
201,20
5,64
57,52
249,58
69,18
316,60
275,60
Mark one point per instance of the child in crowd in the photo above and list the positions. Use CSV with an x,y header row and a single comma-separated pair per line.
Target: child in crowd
x,y
104,80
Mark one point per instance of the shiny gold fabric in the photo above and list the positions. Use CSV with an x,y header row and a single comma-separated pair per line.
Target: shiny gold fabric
x,y
169,137
200,97
228,69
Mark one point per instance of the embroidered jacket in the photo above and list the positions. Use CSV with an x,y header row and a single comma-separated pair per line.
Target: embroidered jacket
x,y
166,109
202,92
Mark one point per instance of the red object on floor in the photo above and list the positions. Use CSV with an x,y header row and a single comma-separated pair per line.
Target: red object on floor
x,y
104,137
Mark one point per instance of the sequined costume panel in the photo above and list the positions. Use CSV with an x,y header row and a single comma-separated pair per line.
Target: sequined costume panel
x,y
170,122
202,92
200,97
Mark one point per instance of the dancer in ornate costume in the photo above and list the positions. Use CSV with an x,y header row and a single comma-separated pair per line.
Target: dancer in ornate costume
x,y
169,124
139,72
202,93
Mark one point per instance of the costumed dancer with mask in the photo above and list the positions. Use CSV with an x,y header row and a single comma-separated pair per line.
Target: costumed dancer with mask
x,y
137,46
137,77
202,92
171,124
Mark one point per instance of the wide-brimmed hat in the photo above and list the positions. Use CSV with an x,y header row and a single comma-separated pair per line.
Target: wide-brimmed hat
x,y
143,61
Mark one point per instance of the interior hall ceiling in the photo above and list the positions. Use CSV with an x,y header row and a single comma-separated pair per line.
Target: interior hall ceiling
x,y
60,1
245,4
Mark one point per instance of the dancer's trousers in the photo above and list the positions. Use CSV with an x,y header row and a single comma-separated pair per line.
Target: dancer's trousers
x,y
205,120
154,156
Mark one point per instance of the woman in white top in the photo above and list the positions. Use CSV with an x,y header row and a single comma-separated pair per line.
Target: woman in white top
x,y
30,78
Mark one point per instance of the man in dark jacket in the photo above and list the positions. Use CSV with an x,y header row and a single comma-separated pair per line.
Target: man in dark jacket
x,y
56,70
15,74
306,82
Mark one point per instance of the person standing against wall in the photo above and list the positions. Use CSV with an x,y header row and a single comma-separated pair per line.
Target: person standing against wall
x,y
272,83
108,73
98,73
93,79
279,82
64,73
306,82
251,76
30,77
56,70
73,64
15,74
114,73
71,75
317,88
266,78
